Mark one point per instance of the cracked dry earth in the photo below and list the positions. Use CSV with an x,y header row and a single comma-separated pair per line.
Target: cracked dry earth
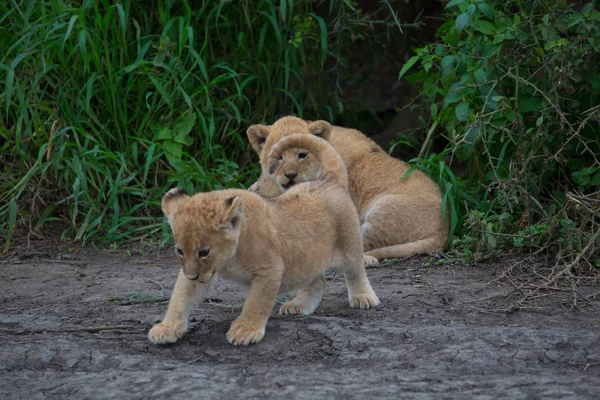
x,y
430,338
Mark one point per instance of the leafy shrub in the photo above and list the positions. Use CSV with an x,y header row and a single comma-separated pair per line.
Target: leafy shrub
x,y
514,87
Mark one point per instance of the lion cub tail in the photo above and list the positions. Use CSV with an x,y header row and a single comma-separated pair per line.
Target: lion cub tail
x,y
333,167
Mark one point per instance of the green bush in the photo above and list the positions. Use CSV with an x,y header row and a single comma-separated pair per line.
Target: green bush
x,y
107,104
514,87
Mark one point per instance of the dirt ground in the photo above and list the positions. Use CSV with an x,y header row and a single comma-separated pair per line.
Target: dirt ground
x,y
436,335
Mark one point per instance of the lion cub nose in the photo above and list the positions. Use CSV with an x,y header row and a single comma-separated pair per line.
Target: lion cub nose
x,y
291,175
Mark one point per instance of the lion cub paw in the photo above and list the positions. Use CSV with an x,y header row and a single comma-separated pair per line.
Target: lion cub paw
x,y
370,261
301,304
164,333
243,333
364,301
292,307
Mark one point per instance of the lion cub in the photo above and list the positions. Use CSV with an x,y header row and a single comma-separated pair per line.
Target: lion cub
x,y
399,217
273,246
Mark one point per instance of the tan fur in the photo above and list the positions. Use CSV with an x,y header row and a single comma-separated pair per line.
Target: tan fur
x,y
302,158
399,217
273,246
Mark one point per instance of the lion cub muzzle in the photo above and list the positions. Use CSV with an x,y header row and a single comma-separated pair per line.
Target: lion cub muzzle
x,y
191,277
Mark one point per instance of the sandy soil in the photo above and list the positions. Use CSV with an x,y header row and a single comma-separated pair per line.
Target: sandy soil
x,y
434,336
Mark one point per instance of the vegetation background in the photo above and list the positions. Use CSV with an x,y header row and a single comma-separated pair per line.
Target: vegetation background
x,y
107,104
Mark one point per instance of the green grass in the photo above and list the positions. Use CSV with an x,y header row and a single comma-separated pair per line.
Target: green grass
x,y
106,105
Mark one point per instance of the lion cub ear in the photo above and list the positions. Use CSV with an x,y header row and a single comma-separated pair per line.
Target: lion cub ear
x,y
321,129
258,134
171,202
232,213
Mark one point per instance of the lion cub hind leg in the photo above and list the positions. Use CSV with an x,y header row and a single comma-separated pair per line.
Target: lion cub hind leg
x,y
395,226
307,299
360,292
370,261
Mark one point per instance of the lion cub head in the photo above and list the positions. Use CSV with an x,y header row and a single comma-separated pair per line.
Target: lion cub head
x,y
293,166
264,137
206,229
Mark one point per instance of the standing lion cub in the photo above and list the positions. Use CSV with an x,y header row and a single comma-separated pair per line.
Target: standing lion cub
x,y
399,217
274,246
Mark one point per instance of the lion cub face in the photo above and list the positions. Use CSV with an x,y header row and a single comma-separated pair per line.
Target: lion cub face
x,y
206,229
293,166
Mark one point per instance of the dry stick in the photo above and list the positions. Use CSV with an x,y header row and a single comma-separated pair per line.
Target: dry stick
x,y
502,276
73,262
427,139
517,288
592,296
193,361
585,365
565,270
156,300
142,301
92,329
158,283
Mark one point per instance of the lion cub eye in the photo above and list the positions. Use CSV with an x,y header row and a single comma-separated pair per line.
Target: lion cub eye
x,y
302,155
179,252
280,158
203,253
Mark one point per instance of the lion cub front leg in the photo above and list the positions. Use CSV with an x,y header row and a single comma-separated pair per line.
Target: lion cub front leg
x,y
250,326
186,296
307,299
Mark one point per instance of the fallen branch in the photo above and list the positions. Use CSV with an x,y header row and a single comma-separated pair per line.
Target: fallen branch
x,y
139,301
91,329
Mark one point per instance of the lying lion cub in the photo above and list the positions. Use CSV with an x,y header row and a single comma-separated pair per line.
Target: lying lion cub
x,y
273,246
399,217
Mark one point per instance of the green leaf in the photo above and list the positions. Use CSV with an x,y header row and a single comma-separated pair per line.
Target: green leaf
x,y
409,172
454,3
173,148
161,89
454,95
283,9
163,134
539,121
530,104
510,116
472,135
574,19
447,65
485,27
481,76
490,50
471,9
69,29
462,111
411,61
434,110
323,28
461,21
587,8
595,180
486,10
183,129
